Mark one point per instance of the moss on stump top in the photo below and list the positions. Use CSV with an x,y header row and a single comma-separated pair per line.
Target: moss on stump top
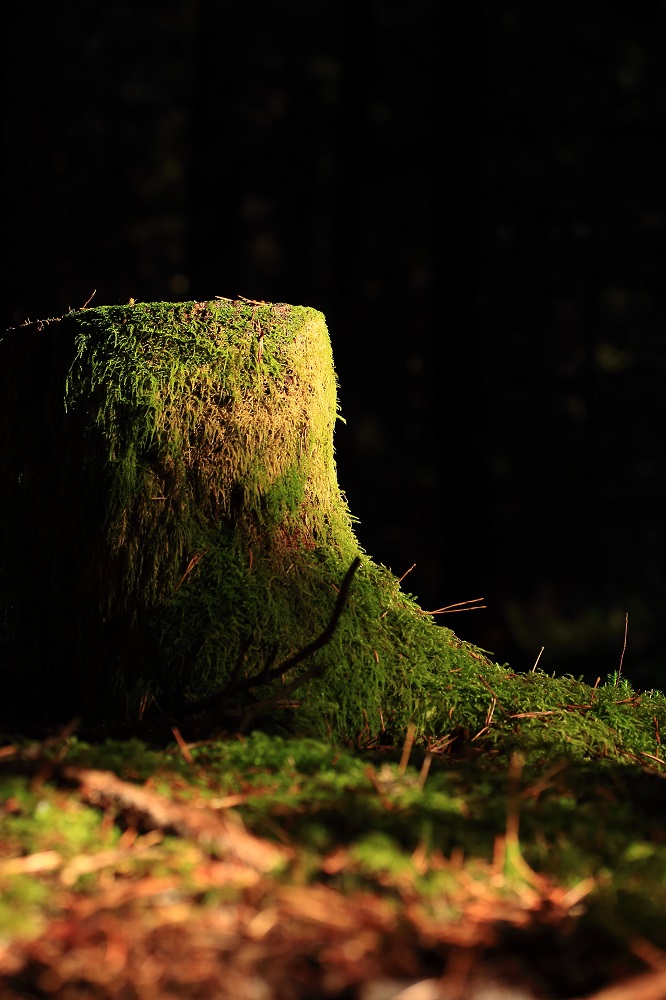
x,y
209,414
173,531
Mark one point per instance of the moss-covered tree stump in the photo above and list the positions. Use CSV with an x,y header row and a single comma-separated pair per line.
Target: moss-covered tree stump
x,y
172,535
173,522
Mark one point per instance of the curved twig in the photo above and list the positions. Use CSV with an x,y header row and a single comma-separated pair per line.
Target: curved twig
x,y
302,654
216,707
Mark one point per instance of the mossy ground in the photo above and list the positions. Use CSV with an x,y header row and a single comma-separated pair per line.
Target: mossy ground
x,y
557,864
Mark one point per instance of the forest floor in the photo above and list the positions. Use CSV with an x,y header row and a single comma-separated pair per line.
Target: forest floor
x,y
273,868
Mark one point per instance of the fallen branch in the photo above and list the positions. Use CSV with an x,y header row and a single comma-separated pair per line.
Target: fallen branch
x,y
215,832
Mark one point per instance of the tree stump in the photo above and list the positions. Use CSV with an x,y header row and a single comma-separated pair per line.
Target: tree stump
x,y
172,525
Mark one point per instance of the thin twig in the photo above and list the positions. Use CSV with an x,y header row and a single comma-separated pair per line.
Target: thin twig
x,y
303,653
401,578
325,636
450,609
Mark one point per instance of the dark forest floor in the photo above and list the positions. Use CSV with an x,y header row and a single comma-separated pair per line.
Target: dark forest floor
x,y
290,869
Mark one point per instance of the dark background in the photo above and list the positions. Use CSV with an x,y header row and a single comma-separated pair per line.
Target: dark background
x,y
475,201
